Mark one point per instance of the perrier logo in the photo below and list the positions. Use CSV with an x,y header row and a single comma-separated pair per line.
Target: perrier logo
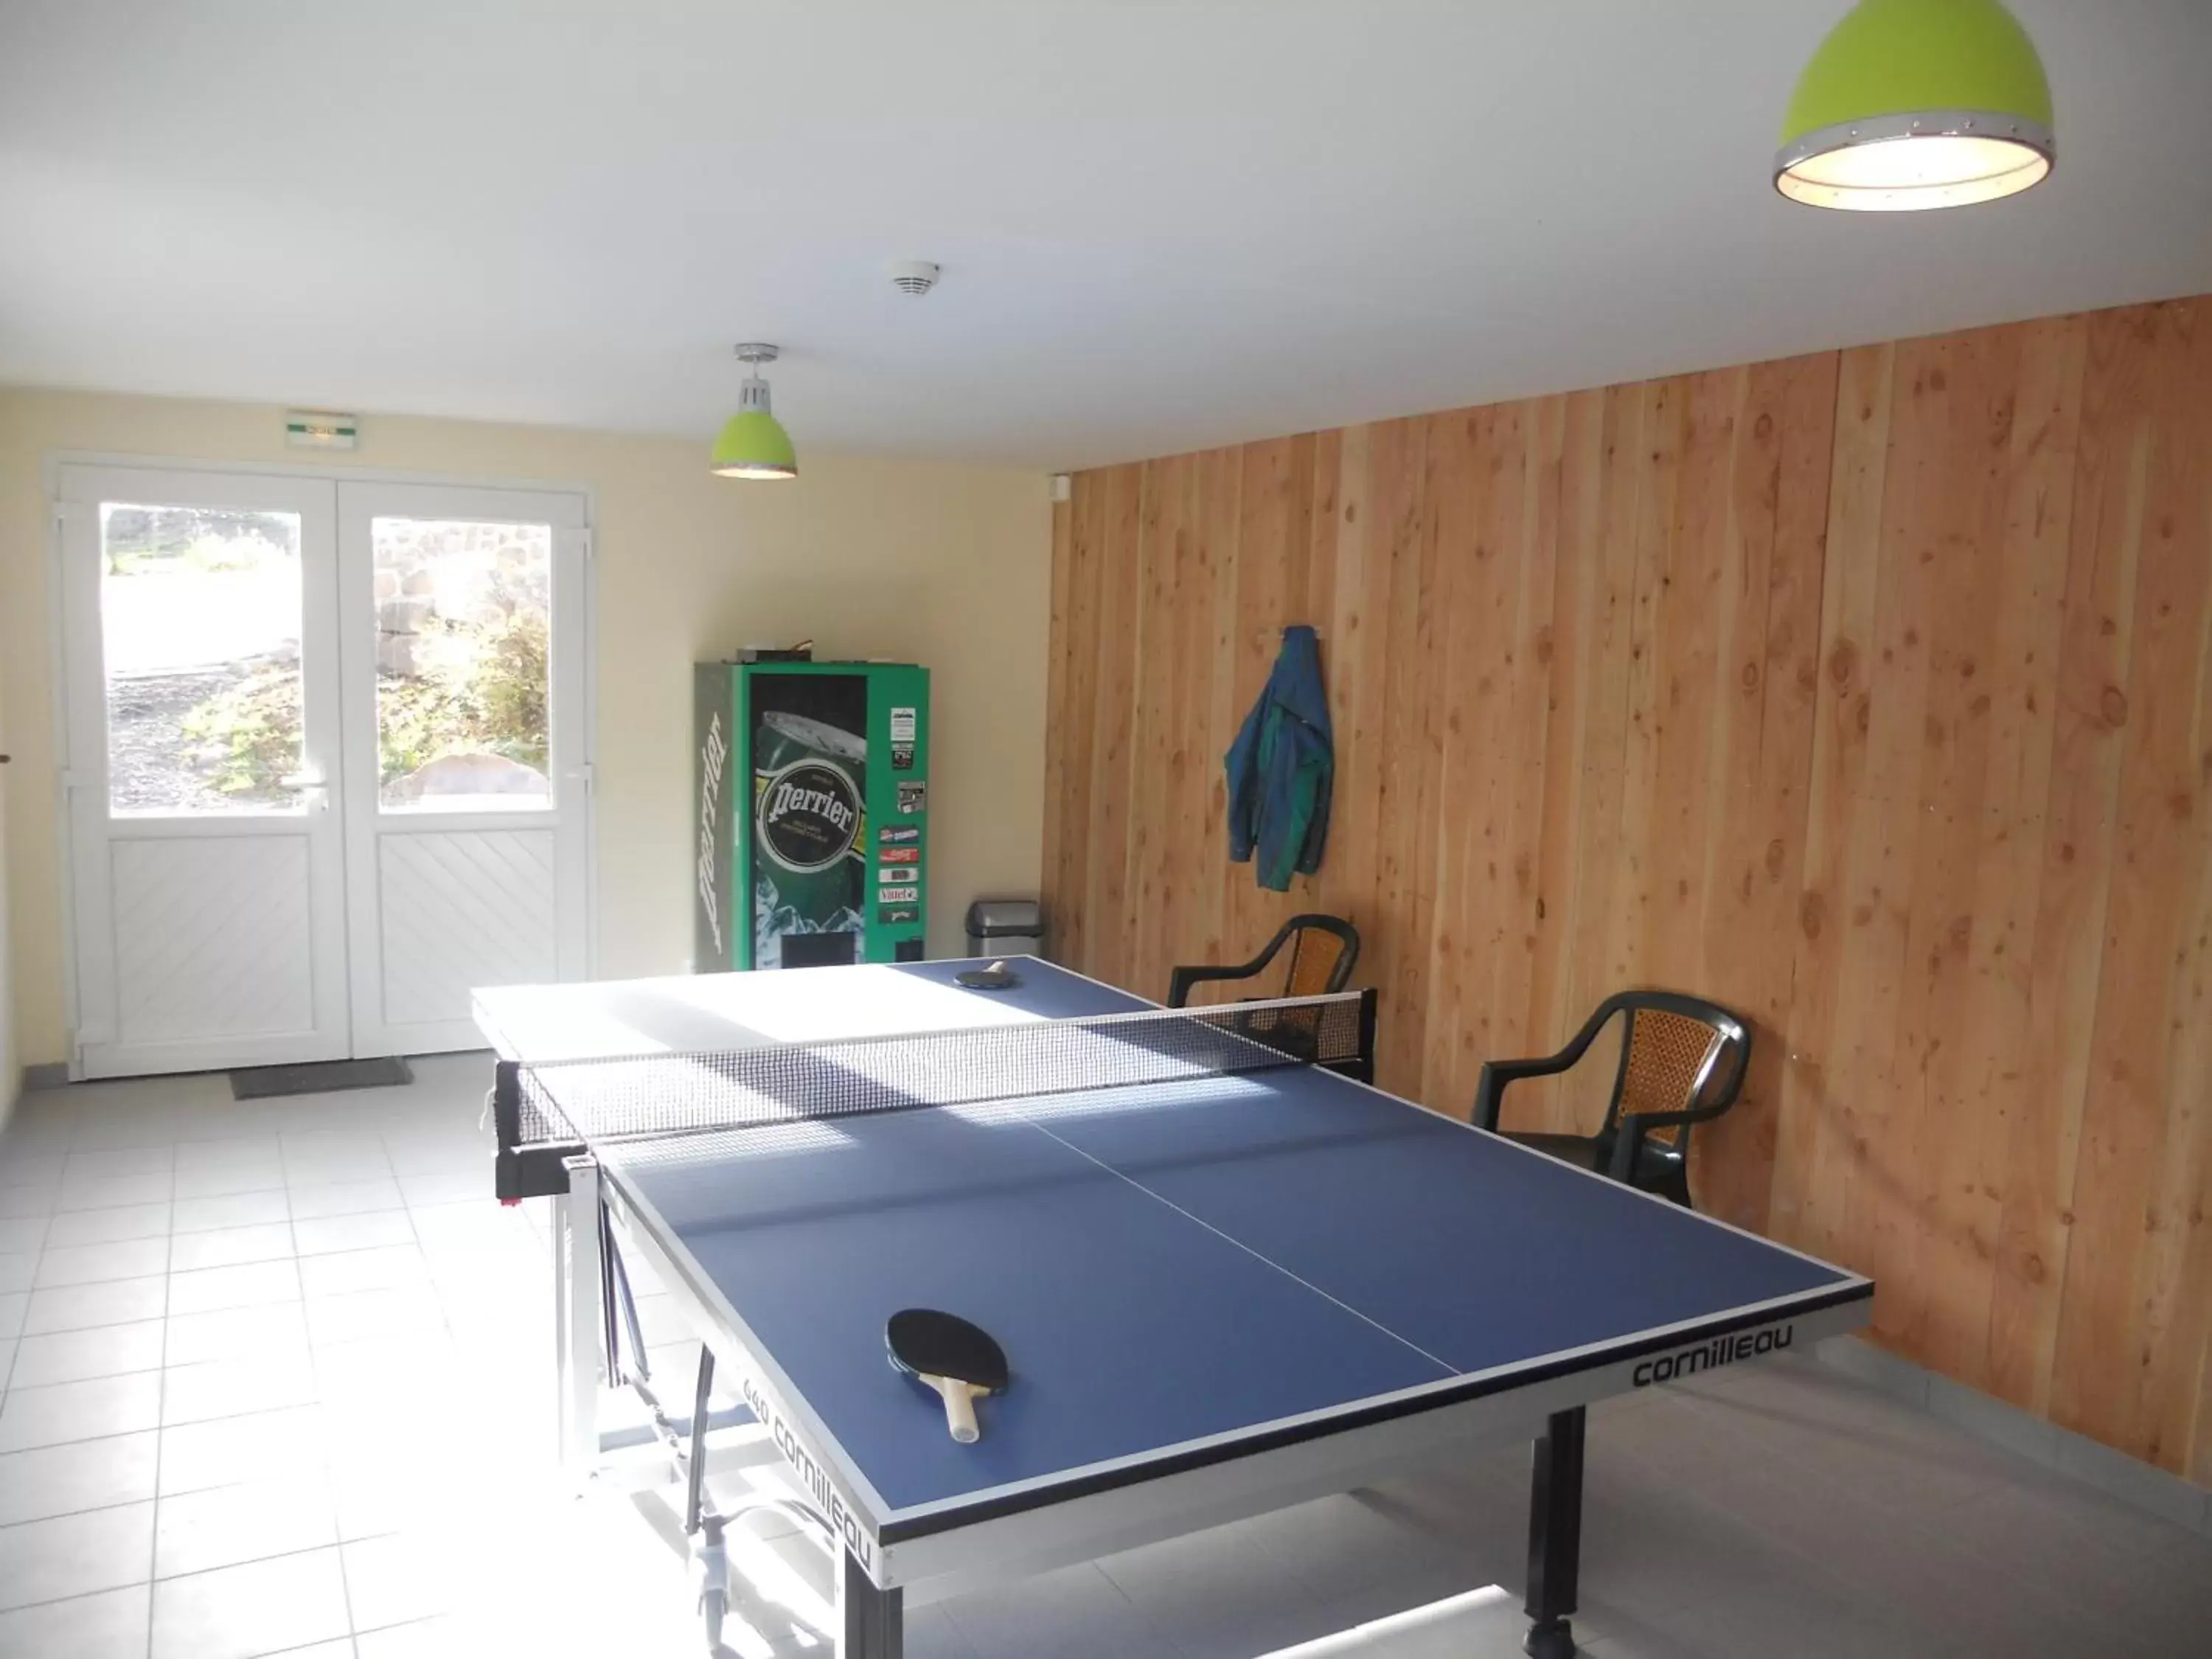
x,y
808,816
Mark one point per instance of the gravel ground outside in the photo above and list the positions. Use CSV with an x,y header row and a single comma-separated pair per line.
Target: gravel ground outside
x,y
149,764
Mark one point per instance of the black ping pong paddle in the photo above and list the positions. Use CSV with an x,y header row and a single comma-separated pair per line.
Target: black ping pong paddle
x,y
997,977
945,1353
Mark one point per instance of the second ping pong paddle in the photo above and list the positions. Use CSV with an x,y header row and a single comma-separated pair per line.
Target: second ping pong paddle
x,y
943,1353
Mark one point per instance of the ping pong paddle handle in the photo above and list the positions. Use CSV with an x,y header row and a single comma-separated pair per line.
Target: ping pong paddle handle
x,y
959,1407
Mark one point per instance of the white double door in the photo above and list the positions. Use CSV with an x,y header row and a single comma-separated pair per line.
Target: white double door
x,y
327,761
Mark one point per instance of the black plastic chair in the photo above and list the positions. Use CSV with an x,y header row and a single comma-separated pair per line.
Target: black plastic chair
x,y
1682,1064
1323,951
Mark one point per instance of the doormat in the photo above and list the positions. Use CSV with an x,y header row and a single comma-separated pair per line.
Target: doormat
x,y
319,1077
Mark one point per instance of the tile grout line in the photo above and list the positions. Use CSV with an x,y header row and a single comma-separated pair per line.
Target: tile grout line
x,y
160,1440
150,1580
8,1382
160,1436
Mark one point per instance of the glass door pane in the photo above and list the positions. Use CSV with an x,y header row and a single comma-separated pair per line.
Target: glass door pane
x,y
462,634
200,624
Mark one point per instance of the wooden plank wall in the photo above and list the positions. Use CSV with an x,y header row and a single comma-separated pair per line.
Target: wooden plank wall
x,y
1870,693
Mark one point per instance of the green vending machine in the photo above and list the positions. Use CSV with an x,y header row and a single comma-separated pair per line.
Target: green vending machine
x,y
811,783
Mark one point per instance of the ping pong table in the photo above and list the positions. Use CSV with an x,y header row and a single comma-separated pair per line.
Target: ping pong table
x,y
1228,1276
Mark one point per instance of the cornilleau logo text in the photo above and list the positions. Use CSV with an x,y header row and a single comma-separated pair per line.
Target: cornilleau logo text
x,y
1721,1351
812,1476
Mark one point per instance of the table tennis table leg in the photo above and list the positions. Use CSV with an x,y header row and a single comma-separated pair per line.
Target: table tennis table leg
x,y
579,1314
871,1622
1555,1536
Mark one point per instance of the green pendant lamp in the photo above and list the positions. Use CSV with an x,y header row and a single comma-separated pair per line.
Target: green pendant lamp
x,y
753,444
1913,103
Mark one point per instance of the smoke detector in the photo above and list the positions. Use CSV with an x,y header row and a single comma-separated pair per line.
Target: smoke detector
x,y
914,277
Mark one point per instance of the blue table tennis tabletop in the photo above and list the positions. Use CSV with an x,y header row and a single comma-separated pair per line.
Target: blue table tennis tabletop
x,y
1169,1268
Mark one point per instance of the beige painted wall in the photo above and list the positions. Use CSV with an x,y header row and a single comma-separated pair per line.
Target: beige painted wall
x,y
948,566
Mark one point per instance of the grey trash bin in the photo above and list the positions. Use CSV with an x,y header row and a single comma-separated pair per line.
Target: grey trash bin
x,y
1005,928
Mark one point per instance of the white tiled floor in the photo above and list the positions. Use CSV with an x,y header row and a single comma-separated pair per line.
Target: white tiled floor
x,y
277,1381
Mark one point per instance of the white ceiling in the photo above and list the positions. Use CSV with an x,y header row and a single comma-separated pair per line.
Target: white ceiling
x,y
1163,223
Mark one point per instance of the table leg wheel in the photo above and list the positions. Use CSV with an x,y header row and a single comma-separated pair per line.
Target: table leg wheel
x,y
714,1604
713,1570
1555,1638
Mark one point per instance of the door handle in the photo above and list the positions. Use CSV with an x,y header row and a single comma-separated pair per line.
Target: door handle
x,y
310,785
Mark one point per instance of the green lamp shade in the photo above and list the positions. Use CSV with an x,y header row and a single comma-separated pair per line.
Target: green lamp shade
x,y
753,445
1912,104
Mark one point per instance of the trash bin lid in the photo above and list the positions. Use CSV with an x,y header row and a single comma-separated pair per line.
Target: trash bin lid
x,y
987,917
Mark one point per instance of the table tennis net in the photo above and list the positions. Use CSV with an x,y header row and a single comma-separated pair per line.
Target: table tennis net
x,y
665,1094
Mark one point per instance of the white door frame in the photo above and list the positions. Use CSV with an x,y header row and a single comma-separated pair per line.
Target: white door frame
x,y
100,1046
9,1078
569,742
52,464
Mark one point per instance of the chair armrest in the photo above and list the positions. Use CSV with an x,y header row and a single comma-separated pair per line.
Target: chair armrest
x,y
1490,1086
1628,1138
1181,980
1496,1073
1644,1120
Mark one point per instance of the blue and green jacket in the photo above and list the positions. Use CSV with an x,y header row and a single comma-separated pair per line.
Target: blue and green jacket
x,y
1281,769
